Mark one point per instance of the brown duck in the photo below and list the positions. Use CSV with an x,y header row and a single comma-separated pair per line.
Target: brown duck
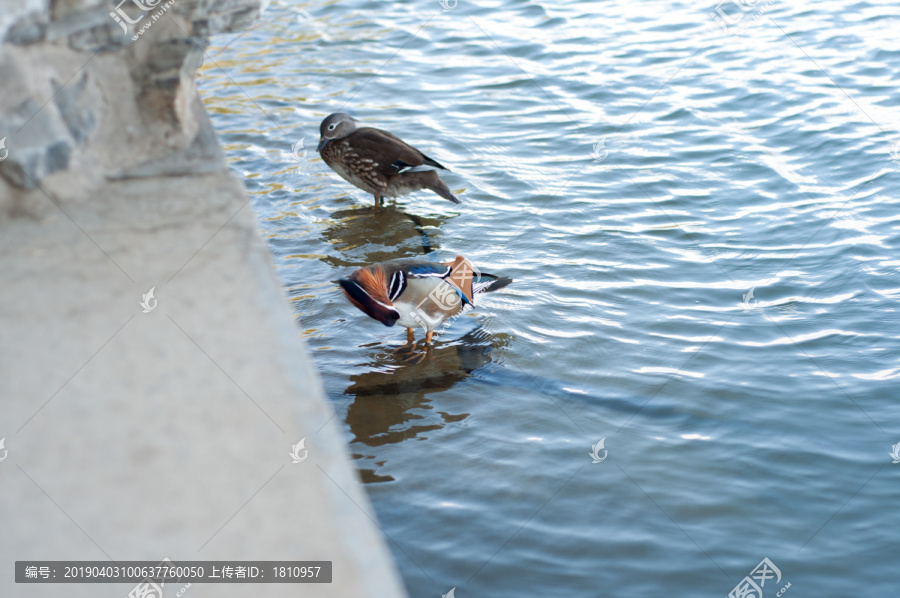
x,y
377,161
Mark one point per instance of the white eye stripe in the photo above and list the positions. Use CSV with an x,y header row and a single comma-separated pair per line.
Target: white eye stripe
x,y
397,286
372,299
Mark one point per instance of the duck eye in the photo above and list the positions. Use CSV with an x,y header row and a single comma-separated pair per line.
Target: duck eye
x,y
332,127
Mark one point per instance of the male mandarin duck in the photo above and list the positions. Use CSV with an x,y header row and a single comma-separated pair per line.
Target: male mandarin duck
x,y
377,161
418,294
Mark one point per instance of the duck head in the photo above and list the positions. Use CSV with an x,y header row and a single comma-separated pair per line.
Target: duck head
x,y
367,289
335,126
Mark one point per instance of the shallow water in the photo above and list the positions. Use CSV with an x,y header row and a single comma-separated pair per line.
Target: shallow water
x,y
736,427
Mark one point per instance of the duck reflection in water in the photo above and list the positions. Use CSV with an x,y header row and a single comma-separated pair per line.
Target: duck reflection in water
x,y
389,403
364,237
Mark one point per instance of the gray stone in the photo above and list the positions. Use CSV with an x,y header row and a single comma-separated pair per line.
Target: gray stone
x,y
226,20
40,146
12,11
86,27
203,156
102,36
76,112
171,58
29,29
67,9
145,434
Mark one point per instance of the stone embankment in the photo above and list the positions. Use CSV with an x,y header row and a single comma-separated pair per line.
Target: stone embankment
x,y
185,423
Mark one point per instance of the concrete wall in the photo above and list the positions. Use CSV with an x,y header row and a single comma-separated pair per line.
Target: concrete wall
x,y
166,434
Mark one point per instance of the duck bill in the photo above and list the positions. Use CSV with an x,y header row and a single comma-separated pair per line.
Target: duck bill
x,y
322,143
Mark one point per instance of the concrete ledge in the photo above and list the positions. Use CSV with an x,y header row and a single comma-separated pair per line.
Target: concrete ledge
x,y
136,435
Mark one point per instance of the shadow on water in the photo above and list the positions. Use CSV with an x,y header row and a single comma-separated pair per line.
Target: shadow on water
x,y
388,399
365,236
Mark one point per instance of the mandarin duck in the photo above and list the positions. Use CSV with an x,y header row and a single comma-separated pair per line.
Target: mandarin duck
x,y
377,161
418,294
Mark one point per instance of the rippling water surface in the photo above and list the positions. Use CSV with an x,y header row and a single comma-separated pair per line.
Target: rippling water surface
x,y
637,171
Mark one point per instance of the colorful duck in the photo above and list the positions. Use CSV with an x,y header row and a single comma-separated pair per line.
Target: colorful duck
x,y
416,293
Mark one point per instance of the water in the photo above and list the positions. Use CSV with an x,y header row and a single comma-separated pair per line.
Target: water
x,y
733,432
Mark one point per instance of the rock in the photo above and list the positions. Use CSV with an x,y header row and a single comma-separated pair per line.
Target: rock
x,y
14,11
112,182
41,145
76,112
233,15
203,156
29,29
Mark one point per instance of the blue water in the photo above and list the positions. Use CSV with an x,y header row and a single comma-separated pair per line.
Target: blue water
x,y
735,427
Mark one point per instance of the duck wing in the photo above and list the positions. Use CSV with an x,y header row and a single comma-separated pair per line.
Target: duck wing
x,y
392,154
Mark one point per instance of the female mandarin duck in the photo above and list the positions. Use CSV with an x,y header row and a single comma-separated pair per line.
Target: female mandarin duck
x,y
377,161
418,294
